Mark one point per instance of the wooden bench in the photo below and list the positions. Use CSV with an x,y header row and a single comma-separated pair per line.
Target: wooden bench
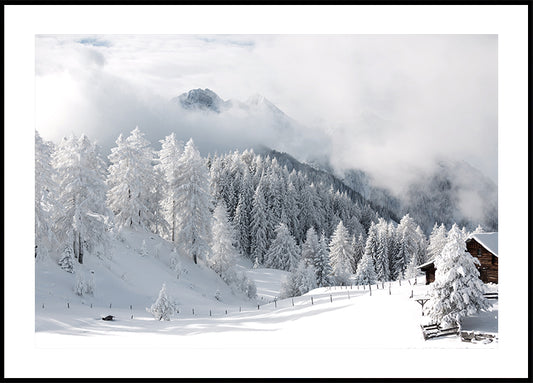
x,y
493,295
435,330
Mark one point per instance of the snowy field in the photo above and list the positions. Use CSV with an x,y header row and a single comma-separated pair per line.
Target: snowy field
x,y
212,319
209,312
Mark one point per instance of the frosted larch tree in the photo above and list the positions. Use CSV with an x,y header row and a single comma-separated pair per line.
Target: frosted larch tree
x,y
45,204
83,219
223,252
169,155
132,182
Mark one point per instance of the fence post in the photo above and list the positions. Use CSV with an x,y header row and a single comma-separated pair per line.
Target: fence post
x,y
330,298
348,295
209,312
370,289
411,294
131,316
226,312
312,300
110,305
389,288
91,305
292,300
43,305
364,287
258,307
131,307
275,303
400,281
192,311
383,285
68,305
239,308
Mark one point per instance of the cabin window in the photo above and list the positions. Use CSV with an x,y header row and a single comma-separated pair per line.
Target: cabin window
x,y
494,259
478,252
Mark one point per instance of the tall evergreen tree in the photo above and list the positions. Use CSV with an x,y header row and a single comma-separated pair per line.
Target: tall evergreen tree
x,y
365,273
283,253
311,247
457,291
340,252
260,225
83,219
322,264
193,203
406,247
169,155
45,203
223,253
132,182
437,241
243,215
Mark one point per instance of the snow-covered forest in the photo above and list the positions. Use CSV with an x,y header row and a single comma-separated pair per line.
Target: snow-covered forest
x,y
215,209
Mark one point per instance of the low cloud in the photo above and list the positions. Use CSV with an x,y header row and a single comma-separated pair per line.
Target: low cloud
x,y
385,104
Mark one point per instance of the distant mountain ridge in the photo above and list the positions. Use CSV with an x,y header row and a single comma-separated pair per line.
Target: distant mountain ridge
x,y
451,192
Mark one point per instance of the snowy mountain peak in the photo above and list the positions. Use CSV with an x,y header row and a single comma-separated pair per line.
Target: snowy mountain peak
x,y
202,99
256,99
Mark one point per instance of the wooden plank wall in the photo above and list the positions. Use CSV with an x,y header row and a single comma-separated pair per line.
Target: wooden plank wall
x,y
489,262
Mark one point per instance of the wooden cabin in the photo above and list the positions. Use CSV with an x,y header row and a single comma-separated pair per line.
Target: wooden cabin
x,y
483,246
429,269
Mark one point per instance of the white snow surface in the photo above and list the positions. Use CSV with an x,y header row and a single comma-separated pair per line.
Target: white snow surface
x,y
329,318
488,240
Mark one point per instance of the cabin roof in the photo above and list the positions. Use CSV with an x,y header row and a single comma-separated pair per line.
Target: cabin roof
x,y
488,240
425,265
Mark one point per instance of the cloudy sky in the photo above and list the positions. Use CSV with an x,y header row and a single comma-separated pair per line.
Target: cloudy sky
x,y
383,103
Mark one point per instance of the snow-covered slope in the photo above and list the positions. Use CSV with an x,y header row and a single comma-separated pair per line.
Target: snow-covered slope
x,y
123,277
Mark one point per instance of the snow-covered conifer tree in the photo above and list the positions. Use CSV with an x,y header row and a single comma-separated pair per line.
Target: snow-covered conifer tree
x,y
322,265
132,182
437,241
45,204
193,203
300,281
260,225
163,307
407,246
283,253
223,252
457,291
311,247
340,253
358,248
243,215
365,273
478,230
66,262
83,219
169,155
421,246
